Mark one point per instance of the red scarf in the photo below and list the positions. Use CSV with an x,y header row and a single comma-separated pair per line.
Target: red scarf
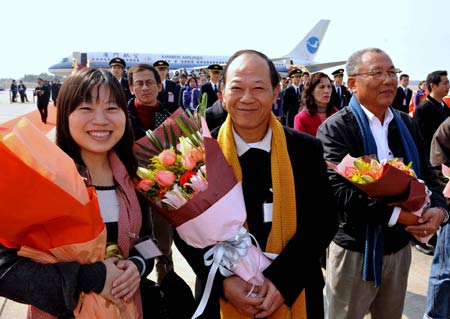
x,y
146,114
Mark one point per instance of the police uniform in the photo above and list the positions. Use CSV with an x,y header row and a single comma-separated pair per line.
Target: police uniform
x,y
291,99
169,94
123,80
208,88
340,94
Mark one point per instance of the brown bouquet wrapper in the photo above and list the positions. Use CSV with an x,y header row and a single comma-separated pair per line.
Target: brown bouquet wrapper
x,y
220,174
393,188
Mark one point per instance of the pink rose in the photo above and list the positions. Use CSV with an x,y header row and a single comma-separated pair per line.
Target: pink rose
x,y
145,184
165,178
196,154
167,157
188,162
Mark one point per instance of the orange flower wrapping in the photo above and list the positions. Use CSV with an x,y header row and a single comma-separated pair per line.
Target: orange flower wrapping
x,y
51,217
394,185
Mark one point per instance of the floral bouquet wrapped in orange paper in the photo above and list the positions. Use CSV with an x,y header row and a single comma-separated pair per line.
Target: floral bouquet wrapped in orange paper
x,y
389,181
48,213
190,183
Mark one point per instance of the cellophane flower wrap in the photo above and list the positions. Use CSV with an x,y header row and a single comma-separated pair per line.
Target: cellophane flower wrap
x,y
391,182
211,213
48,213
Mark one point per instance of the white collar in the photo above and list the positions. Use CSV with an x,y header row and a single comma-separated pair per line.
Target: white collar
x,y
242,146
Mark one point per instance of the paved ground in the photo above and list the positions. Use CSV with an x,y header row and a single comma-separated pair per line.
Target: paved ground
x,y
418,279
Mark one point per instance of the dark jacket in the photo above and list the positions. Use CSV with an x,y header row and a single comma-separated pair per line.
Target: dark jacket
x,y
215,115
291,104
139,131
428,116
209,90
24,280
340,135
316,226
169,96
401,97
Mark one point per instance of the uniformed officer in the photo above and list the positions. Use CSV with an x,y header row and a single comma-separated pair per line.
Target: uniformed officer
x,y
117,67
168,96
212,87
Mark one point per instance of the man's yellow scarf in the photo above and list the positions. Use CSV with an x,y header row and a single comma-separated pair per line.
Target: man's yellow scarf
x,y
284,219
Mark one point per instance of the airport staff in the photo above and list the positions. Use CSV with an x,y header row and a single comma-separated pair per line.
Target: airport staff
x,y
291,99
340,95
168,96
212,87
117,68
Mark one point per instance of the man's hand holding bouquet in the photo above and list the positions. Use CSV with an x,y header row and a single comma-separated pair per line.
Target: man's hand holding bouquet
x,y
189,182
48,213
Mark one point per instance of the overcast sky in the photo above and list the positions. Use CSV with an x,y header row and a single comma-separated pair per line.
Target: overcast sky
x,y
38,34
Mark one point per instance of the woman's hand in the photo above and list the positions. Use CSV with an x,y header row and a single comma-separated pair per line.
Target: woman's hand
x,y
112,273
126,285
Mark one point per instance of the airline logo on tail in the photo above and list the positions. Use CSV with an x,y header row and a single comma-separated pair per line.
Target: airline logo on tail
x,y
312,45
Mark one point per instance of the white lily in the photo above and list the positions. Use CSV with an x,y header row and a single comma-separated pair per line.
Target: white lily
x,y
175,198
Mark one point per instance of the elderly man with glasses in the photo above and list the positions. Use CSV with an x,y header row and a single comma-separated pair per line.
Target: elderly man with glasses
x,y
370,256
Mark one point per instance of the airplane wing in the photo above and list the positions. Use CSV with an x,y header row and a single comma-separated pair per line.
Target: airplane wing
x,y
320,66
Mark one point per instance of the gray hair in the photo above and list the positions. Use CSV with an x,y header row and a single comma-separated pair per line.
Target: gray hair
x,y
355,60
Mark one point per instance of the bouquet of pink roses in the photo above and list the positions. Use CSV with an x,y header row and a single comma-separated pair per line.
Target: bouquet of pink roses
x,y
190,183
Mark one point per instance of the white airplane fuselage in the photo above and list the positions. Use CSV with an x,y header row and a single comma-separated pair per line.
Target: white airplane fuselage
x,y
302,55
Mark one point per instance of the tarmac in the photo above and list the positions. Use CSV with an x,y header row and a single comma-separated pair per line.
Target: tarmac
x,y
11,112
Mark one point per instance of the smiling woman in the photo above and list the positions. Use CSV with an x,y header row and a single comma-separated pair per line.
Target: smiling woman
x,y
94,130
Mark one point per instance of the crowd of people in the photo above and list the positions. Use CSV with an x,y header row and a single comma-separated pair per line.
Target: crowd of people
x,y
277,133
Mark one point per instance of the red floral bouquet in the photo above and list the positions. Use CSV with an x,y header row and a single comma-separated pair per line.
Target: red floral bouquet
x,y
188,181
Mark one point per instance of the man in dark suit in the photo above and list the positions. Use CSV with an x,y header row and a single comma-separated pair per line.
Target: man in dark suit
x,y
117,68
433,111
258,147
370,256
339,95
291,98
429,115
212,87
169,94
216,114
403,95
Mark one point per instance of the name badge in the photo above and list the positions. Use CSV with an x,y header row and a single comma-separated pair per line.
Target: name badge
x,y
148,249
170,97
267,208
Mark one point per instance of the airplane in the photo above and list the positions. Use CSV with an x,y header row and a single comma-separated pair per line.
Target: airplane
x,y
302,56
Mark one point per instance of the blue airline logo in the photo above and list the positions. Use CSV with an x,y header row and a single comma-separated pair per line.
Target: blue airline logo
x,y
312,45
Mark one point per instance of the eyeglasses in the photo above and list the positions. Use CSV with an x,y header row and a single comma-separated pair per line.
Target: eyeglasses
x,y
378,75
216,72
148,83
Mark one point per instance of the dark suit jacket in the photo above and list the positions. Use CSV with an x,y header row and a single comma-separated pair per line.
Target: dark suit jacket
x,y
291,104
339,101
429,115
126,88
400,97
171,92
341,135
215,115
316,226
208,89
